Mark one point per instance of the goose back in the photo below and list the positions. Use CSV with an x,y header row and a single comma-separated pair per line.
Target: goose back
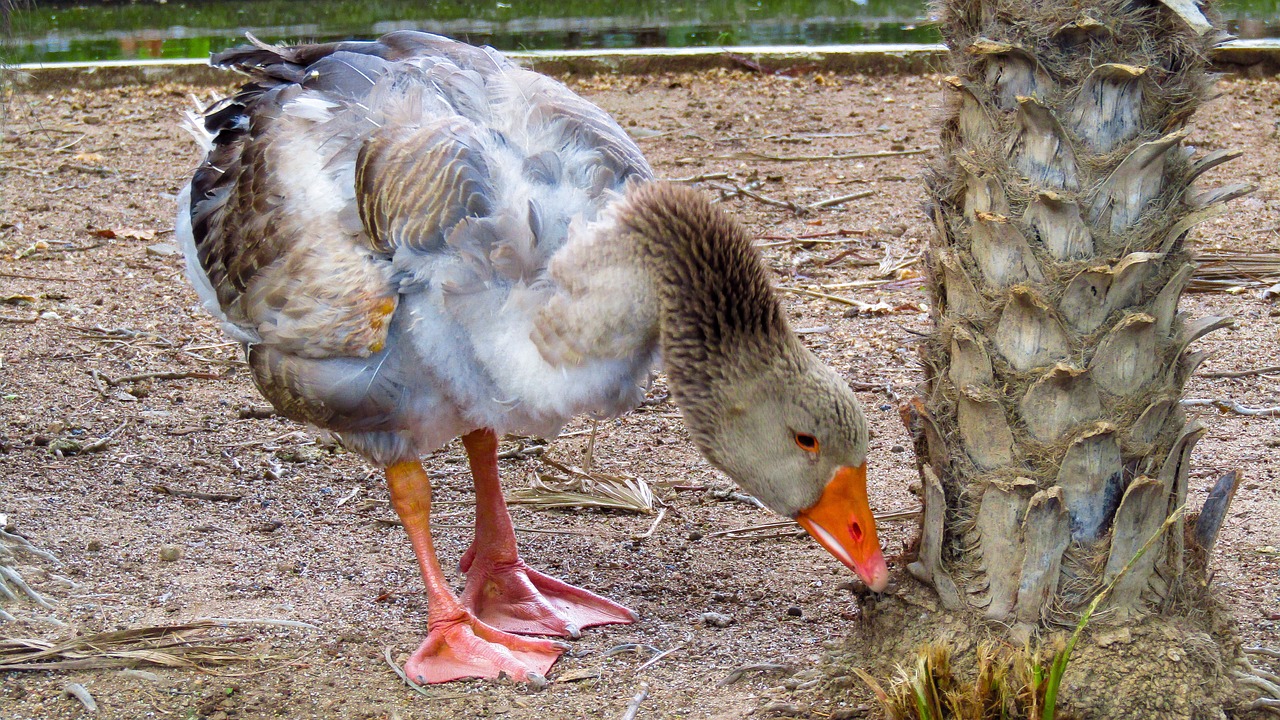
x,y
403,233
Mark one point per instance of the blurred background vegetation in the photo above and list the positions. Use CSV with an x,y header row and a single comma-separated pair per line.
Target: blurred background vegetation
x,y
52,31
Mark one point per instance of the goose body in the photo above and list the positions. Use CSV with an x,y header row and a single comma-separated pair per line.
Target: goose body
x,y
377,222
417,240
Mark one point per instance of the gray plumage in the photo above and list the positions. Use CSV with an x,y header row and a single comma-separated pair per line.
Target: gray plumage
x,y
416,238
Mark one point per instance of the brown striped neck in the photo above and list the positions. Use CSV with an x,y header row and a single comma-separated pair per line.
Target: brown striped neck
x,y
720,316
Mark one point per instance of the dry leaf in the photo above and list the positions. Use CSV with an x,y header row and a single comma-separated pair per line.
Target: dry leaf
x,y
126,233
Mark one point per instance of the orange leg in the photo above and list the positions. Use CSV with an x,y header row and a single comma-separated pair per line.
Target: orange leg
x,y
501,589
457,644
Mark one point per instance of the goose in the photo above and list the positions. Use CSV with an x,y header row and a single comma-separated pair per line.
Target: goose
x,y
415,240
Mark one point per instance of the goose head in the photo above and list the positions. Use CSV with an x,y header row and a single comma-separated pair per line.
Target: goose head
x,y
759,405
794,436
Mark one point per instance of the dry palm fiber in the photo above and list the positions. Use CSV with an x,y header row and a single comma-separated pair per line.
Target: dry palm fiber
x,y
201,643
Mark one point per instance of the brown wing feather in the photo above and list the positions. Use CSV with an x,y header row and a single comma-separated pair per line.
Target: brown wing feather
x,y
415,184
299,274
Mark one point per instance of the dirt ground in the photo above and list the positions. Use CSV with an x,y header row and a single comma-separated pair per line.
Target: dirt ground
x,y
93,292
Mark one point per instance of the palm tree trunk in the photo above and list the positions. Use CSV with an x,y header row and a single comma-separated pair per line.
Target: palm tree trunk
x,y
1050,437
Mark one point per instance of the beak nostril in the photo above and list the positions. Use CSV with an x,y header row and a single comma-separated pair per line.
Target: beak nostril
x,y
855,529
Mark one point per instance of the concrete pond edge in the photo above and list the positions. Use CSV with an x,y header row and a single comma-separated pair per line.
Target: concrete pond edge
x,y
1253,58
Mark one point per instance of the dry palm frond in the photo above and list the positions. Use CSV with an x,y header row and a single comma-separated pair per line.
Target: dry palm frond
x,y
200,643
574,487
1225,269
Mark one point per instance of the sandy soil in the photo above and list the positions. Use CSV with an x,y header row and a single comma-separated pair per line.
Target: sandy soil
x,y
85,232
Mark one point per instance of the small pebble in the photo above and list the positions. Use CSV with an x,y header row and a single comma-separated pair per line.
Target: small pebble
x,y
886,407
719,620
169,553
794,611
695,535
897,449
94,546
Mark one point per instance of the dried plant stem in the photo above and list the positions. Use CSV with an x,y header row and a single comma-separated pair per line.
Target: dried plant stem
x,y
839,200
658,657
165,375
79,692
1233,406
824,158
1242,373
633,707
662,512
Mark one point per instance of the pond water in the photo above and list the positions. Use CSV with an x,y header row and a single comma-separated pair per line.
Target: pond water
x,y
45,31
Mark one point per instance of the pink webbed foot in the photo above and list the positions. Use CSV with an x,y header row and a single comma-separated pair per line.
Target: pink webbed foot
x,y
513,597
464,647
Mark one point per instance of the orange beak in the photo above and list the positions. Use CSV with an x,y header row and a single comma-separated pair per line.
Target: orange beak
x,y
842,522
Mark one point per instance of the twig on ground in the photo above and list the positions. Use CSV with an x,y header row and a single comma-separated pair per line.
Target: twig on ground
x,y
629,647
823,296
731,190
839,200
736,674
1241,373
658,657
815,237
701,177
858,260
267,441
20,276
1233,406
217,497
751,531
749,155
79,692
386,655
270,622
164,375
20,320
386,522
662,512
521,451
633,707
349,496
1264,652
734,496
256,412
62,447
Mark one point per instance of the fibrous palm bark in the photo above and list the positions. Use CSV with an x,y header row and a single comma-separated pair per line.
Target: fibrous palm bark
x,y
1051,440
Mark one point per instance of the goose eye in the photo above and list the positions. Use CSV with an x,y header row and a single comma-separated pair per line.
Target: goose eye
x,y
807,442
